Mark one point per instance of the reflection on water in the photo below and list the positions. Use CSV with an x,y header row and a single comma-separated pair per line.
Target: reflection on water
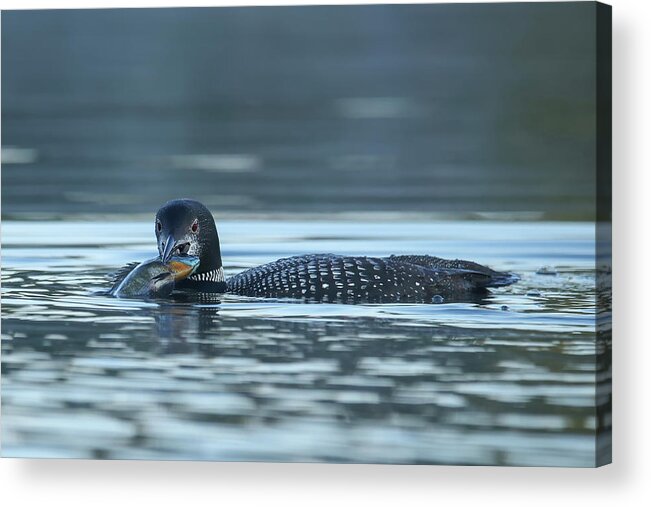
x,y
507,380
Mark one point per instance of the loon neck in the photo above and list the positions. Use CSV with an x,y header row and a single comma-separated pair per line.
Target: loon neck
x,y
210,265
209,262
215,275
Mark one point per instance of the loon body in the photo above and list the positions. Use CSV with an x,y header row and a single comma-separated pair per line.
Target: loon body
x,y
328,277
186,227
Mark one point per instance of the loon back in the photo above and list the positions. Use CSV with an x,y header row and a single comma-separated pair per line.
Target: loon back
x,y
332,277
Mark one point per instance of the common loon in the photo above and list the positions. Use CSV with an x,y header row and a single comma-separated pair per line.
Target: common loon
x,y
186,227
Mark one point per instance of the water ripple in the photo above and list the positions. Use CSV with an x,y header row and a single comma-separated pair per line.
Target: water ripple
x,y
506,380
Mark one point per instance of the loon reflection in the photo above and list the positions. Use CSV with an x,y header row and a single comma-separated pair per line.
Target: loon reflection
x,y
185,227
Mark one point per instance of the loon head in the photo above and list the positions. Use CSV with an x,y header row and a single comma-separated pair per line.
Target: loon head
x,y
186,227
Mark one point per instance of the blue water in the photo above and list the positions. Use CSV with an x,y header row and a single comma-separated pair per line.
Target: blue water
x,y
509,380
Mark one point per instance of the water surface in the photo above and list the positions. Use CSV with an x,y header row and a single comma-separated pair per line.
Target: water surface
x,y
509,380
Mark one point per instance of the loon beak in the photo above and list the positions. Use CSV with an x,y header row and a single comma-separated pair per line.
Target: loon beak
x,y
170,246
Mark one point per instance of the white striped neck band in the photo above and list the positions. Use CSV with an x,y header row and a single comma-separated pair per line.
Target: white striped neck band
x,y
216,275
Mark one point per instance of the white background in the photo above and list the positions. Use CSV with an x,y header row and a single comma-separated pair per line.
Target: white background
x,y
626,482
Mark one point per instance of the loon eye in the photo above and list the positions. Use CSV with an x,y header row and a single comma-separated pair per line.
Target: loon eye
x,y
195,226
159,226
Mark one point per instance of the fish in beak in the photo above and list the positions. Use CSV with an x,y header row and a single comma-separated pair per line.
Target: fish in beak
x,y
182,266
153,278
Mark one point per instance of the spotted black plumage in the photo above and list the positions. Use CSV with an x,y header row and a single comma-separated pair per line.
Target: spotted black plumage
x,y
329,277
185,226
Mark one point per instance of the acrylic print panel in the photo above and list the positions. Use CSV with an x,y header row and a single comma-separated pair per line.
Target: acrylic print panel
x,y
336,137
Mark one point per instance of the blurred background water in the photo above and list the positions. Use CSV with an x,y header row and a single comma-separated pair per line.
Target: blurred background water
x,y
464,131
447,108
